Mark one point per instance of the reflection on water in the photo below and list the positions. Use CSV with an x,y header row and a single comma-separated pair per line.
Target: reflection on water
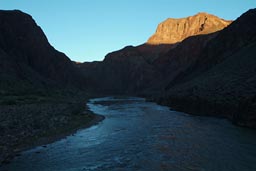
x,y
139,135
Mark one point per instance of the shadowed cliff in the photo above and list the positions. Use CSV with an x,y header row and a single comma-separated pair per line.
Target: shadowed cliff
x,y
28,61
39,87
221,81
139,70
208,67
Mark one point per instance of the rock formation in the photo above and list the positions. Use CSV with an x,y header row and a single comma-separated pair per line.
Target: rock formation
x,y
27,58
200,65
222,79
139,68
38,86
175,30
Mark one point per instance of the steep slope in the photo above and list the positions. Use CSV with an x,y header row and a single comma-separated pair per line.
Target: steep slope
x,y
178,60
122,72
28,59
175,30
40,88
142,69
222,80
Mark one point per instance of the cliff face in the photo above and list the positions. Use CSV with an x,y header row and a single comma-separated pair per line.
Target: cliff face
x,y
175,30
38,86
178,60
28,58
222,79
209,73
124,72
136,69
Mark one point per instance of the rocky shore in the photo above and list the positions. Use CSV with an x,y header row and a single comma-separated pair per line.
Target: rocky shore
x,y
27,125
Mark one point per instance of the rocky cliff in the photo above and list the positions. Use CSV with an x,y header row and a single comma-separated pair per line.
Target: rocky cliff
x,y
38,87
28,61
222,79
123,72
143,68
200,64
175,30
207,67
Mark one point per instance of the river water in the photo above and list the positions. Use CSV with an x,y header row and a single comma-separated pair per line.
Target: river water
x,y
144,136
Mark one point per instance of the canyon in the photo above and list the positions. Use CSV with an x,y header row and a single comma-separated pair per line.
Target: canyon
x,y
202,65
205,70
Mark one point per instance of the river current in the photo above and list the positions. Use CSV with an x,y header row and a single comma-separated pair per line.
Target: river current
x,y
144,136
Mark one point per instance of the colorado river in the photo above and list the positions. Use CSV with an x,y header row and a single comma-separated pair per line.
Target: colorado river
x,y
144,136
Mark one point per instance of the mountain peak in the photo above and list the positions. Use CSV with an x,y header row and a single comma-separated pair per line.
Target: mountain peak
x,y
174,30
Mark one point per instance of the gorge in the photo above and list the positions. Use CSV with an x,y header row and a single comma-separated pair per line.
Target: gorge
x,y
201,65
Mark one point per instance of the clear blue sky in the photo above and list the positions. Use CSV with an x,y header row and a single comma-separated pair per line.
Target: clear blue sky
x,y
86,30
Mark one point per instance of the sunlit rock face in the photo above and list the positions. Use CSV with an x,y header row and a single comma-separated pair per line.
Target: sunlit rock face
x,y
171,50
175,30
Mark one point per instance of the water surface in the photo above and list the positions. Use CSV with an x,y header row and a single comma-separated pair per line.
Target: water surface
x,y
144,136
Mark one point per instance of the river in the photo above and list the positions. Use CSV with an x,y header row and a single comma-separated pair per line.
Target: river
x,y
144,136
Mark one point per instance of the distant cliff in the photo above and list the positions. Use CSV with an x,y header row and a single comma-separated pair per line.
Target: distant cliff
x,y
200,64
134,69
175,30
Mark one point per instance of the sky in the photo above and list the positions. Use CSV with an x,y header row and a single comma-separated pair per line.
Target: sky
x,y
86,30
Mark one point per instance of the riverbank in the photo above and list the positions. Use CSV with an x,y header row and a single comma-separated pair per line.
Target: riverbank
x,y
24,126
240,111
138,135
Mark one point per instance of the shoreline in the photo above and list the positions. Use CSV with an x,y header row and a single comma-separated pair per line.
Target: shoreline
x,y
199,107
44,140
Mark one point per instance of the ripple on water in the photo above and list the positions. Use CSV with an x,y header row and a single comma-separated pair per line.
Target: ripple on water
x,y
140,135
